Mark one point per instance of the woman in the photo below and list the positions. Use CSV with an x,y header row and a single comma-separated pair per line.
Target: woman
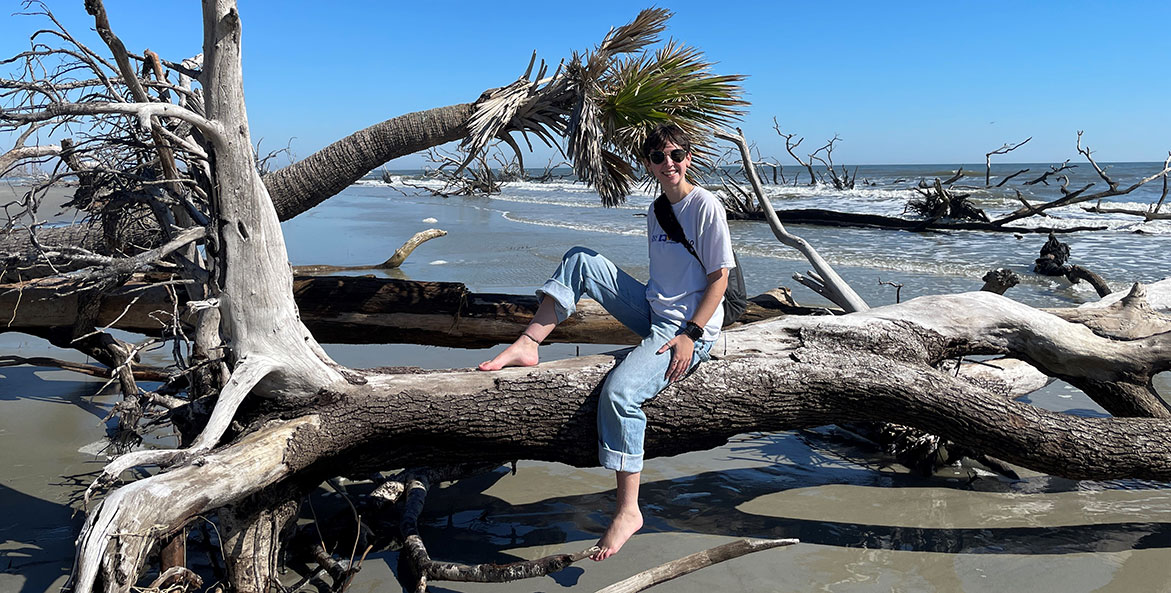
x,y
678,313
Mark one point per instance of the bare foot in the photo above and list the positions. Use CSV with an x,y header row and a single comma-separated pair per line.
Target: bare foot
x,y
522,353
626,524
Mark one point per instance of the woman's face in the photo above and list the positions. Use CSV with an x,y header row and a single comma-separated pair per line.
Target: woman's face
x,y
669,172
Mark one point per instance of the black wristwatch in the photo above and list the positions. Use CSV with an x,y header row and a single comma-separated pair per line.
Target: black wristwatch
x,y
693,331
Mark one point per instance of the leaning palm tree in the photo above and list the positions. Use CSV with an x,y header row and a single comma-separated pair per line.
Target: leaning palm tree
x,y
605,102
598,104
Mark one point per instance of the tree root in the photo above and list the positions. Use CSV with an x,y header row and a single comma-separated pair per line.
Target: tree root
x,y
176,579
93,370
247,375
425,569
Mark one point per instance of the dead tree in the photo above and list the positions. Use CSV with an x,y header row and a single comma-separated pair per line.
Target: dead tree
x,y
1151,213
1054,255
541,107
1070,197
840,181
938,202
482,174
1007,148
823,279
1053,170
794,372
790,147
739,202
937,205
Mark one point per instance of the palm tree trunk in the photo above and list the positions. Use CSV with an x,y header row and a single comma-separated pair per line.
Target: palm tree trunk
x,y
307,183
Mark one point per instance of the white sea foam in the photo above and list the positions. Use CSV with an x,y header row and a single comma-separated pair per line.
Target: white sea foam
x,y
377,182
1131,249
577,226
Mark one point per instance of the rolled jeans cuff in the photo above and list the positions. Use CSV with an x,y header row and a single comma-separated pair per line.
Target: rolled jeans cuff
x,y
564,303
618,461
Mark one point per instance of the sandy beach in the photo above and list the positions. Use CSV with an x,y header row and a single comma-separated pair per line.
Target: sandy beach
x,y
217,147
866,524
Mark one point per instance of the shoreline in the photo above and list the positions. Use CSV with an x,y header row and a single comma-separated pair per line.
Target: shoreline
x,y
866,526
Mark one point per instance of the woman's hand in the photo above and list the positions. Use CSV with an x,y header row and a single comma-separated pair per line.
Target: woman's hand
x,y
682,349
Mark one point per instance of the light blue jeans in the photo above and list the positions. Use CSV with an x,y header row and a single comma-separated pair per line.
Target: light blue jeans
x,y
638,377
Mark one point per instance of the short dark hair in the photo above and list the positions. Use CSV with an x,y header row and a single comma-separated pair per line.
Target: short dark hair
x,y
660,136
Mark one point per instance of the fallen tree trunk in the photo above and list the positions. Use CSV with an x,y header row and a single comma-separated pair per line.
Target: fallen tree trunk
x,y
817,216
351,310
881,365
1147,215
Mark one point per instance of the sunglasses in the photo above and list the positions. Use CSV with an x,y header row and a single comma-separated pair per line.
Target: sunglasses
x,y
657,157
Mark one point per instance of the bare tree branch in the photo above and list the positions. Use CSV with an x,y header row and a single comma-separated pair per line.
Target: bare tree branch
x,y
1007,148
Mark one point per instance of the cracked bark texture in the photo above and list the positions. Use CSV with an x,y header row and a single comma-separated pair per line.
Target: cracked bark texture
x,y
780,374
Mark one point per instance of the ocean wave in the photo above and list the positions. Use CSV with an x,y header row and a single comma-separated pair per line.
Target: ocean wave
x,y
378,182
869,200
545,199
577,226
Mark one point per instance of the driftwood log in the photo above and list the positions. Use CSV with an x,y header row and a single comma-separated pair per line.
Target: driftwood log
x,y
817,216
792,372
346,310
1052,262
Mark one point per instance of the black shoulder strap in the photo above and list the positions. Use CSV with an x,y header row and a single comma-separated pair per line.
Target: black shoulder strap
x,y
670,225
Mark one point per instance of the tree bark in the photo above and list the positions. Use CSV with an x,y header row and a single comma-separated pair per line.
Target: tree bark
x,y
355,310
308,182
786,373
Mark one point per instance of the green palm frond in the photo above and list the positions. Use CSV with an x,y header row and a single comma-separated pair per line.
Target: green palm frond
x,y
605,102
629,38
674,84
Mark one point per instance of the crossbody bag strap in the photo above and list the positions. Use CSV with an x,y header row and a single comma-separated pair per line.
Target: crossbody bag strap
x,y
670,225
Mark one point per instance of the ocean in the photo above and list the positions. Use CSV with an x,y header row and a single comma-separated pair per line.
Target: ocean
x,y
510,223
866,524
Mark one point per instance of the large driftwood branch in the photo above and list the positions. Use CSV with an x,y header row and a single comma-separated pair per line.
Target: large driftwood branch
x,y
693,562
1151,213
818,216
880,365
348,310
1076,197
142,111
1148,215
400,255
836,289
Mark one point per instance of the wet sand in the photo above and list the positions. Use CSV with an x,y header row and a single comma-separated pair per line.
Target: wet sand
x,y
866,526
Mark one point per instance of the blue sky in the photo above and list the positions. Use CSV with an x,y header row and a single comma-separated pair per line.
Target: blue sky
x,y
916,82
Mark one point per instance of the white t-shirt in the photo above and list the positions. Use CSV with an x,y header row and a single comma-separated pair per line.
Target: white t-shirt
x,y
677,280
